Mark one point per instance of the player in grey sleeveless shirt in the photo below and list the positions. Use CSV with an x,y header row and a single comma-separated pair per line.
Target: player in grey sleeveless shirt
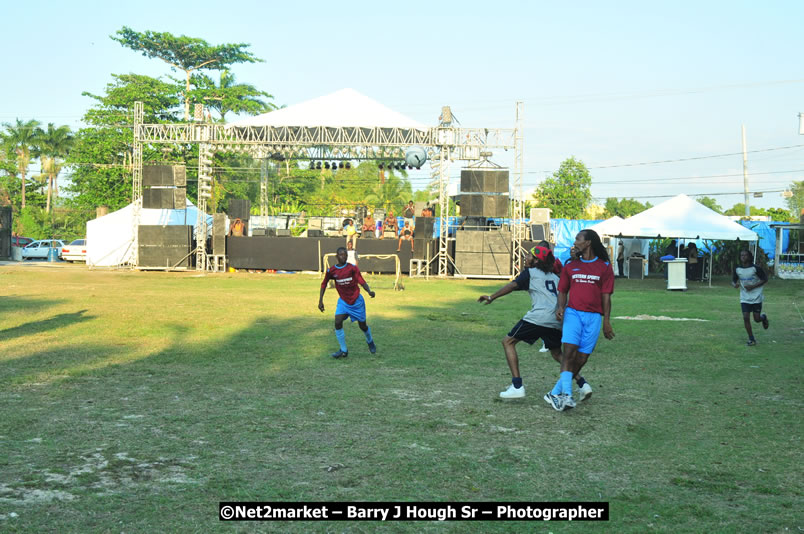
x,y
750,278
540,322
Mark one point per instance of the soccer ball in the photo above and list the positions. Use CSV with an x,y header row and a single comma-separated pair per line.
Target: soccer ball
x,y
415,157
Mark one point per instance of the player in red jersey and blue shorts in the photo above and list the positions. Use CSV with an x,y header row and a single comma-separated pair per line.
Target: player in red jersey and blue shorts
x,y
589,281
347,280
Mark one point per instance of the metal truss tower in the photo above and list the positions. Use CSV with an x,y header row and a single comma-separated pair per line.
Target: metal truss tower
x,y
519,225
136,171
204,193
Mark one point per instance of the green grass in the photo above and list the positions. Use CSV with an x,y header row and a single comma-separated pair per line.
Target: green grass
x,y
136,402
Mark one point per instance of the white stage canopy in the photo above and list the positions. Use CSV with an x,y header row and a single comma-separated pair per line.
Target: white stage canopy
x,y
684,218
342,109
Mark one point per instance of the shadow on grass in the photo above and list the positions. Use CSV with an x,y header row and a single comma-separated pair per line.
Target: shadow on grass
x,y
25,305
37,327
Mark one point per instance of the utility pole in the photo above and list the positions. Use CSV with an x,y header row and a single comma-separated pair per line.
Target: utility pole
x,y
745,176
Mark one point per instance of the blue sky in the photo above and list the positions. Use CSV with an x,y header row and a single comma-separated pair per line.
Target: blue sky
x,y
613,84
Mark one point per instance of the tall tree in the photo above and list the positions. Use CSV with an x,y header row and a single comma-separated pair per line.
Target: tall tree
x,y
710,203
230,96
187,54
624,208
738,210
796,202
101,156
567,192
53,146
21,138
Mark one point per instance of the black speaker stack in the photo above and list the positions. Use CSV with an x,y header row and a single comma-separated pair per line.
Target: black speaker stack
x,y
483,253
539,232
424,227
484,192
239,208
164,187
218,234
164,246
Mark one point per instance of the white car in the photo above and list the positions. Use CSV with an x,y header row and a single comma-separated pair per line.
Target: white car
x,y
75,251
41,248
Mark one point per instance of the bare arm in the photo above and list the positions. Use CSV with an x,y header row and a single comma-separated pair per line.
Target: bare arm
x,y
562,304
365,286
504,290
321,298
605,300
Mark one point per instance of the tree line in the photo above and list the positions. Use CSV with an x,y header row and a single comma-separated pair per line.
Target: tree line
x,y
97,158
567,192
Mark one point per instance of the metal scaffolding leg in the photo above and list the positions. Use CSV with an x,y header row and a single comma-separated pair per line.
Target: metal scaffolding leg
x,y
136,171
518,224
442,169
204,193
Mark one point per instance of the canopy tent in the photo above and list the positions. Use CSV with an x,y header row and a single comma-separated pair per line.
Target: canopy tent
x,y
110,238
684,218
342,109
614,227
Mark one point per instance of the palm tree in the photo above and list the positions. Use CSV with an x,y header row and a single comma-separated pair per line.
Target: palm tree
x,y
394,193
21,137
53,145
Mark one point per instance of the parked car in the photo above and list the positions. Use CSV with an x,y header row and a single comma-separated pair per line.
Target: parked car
x,y
75,251
41,248
17,241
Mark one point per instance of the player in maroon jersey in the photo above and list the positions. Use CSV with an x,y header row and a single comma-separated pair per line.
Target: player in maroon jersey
x,y
347,280
589,280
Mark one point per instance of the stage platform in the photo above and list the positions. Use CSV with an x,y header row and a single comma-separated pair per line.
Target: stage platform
x,y
306,253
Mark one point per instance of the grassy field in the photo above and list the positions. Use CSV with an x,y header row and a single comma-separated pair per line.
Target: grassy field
x,y
135,402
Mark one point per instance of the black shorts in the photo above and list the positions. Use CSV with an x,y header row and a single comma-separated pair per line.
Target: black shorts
x,y
748,308
529,333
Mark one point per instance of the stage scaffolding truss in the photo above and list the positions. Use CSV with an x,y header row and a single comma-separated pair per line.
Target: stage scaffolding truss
x,y
444,145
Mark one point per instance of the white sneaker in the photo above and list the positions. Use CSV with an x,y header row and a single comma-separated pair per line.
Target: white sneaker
x,y
567,401
585,392
512,392
556,401
544,349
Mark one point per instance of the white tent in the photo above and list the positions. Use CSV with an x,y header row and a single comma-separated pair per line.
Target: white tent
x,y
110,238
684,218
614,227
341,109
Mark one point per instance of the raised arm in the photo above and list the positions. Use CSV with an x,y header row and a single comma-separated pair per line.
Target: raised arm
x,y
504,290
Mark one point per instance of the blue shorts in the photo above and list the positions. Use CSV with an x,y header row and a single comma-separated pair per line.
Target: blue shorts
x,y
582,329
356,311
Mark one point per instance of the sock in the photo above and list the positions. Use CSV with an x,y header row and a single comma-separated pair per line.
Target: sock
x,y
751,338
369,339
556,388
341,335
517,382
580,381
566,382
